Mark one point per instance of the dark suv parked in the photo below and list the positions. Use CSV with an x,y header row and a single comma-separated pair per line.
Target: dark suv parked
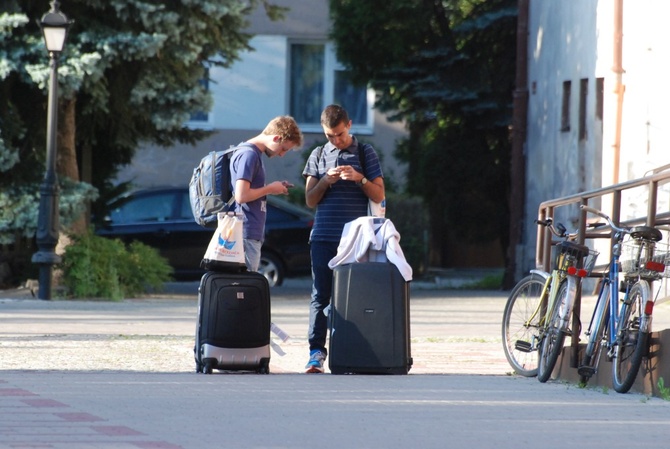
x,y
162,218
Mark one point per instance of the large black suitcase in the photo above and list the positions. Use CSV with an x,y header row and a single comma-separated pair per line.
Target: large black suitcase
x,y
233,326
369,320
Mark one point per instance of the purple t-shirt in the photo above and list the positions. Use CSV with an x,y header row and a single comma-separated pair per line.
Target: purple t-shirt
x,y
247,164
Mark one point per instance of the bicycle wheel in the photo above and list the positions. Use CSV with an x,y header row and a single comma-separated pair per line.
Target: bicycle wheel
x,y
587,367
519,337
553,336
631,342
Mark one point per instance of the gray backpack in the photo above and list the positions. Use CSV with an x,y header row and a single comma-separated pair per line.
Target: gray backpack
x,y
210,187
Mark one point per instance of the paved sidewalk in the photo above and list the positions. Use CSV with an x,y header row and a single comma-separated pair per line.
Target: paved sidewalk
x,y
92,374
452,332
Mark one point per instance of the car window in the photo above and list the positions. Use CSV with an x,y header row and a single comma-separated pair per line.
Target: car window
x,y
144,209
185,210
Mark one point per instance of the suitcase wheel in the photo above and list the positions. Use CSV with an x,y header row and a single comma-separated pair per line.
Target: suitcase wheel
x,y
207,368
265,367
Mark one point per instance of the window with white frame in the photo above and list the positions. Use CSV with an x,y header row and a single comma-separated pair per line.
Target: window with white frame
x,y
317,79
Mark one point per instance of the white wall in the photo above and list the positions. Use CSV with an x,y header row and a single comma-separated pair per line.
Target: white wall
x,y
645,139
253,91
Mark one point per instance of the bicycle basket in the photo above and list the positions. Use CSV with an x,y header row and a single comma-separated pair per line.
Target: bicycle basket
x,y
581,257
645,259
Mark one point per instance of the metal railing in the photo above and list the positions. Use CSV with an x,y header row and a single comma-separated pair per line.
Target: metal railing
x,y
609,200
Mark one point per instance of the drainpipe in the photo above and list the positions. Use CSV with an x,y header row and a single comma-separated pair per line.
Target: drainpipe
x,y
619,88
517,161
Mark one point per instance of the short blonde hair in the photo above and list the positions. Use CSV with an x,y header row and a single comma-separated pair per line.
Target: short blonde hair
x,y
286,128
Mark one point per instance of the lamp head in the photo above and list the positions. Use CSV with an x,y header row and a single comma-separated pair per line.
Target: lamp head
x,y
54,26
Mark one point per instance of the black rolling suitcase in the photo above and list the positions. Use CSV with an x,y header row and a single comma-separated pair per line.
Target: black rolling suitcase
x,y
369,320
233,328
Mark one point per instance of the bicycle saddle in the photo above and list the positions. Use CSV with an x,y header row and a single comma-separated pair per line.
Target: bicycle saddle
x,y
646,233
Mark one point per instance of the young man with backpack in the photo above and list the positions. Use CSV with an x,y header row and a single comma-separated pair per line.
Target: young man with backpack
x,y
247,175
339,188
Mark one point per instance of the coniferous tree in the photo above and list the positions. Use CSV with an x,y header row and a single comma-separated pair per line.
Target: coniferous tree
x,y
129,74
446,68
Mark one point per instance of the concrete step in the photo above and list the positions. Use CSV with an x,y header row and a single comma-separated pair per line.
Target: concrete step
x,y
653,368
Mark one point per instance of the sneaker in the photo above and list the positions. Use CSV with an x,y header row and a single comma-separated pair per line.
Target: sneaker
x,y
315,364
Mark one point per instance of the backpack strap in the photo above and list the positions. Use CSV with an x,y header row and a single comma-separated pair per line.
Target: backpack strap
x,y
234,148
226,207
361,156
212,158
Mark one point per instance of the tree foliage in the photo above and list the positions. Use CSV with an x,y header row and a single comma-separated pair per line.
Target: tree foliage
x,y
445,67
130,74
132,70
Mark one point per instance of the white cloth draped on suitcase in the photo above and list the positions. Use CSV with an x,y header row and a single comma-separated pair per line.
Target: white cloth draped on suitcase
x,y
371,239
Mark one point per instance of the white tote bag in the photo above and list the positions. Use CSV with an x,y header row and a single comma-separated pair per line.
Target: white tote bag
x,y
377,209
226,249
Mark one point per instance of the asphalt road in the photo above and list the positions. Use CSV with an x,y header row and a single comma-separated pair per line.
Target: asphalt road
x,y
91,374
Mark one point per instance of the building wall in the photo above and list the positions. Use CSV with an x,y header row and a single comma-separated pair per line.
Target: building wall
x,y
646,50
560,161
645,134
574,41
252,92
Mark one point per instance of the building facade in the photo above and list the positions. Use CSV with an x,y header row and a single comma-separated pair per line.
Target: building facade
x,y
292,70
597,105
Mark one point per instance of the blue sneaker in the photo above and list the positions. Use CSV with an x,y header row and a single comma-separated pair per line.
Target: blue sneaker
x,y
315,364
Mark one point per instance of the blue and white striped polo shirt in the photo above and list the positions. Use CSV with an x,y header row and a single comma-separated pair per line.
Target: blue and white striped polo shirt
x,y
344,201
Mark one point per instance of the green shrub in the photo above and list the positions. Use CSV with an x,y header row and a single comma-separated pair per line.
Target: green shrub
x,y
410,219
96,267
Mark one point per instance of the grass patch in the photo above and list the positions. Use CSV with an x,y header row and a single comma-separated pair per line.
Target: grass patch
x,y
663,391
490,282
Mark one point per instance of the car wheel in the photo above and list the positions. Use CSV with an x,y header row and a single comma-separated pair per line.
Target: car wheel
x,y
272,268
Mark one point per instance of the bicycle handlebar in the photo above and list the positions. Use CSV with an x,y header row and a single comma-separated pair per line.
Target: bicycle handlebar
x,y
606,217
558,230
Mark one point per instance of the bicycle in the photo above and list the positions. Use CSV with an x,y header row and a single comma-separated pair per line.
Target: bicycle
x,y
625,333
537,315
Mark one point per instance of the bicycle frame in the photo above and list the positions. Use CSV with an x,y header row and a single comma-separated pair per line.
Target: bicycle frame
x,y
607,303
553,278
609,316
541,305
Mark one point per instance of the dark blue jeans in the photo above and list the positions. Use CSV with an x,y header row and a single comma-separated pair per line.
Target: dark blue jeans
x,y
322,289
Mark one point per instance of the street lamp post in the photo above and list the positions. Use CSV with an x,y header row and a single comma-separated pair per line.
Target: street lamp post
x,y
54,26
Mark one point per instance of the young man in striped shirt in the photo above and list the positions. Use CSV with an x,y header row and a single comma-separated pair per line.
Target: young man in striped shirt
x,y
339,188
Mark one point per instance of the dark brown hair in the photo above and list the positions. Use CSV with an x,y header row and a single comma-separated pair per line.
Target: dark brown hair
x,y
333,115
